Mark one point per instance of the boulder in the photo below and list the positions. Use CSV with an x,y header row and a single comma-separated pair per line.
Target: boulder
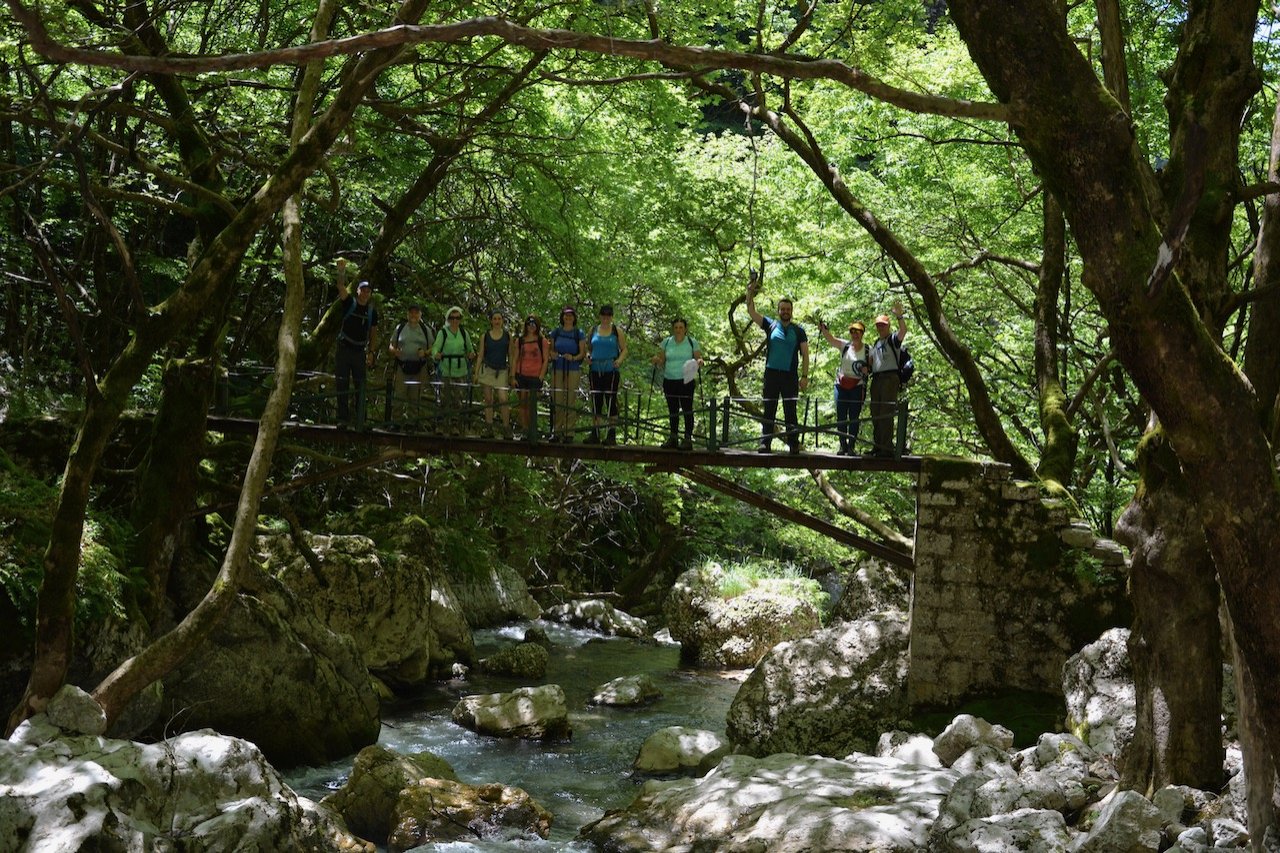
x,y
782,803
494,595
979,796
197,791
272,673
534,713
967,731
678,749
523,660
382,601
908,747
1098,685
76,712
1128,823
537,634
627,690
441,810
598,615
874,587
735,632
1044,831
829,694
452,646
367,800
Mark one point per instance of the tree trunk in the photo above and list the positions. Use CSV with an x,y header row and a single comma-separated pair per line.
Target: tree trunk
x,y
1175,644
170,475
119,688
213,279
1058,457
1084,147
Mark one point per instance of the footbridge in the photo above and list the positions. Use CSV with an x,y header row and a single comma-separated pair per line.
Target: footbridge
x,y
1005,584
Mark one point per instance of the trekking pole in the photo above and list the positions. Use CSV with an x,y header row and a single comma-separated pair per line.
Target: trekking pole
x,y
653,380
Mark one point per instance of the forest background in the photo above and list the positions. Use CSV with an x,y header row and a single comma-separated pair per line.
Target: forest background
x,y
1072,199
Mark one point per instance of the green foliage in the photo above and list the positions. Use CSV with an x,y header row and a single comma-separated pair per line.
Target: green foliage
x,y
735,578
105,583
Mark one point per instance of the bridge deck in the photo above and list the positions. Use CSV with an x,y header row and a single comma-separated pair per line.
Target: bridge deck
x,y
429,445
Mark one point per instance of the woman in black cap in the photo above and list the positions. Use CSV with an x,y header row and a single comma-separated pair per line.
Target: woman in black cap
x,y
606,350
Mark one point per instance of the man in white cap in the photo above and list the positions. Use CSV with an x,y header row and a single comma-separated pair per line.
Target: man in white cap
x,y
357,342
409,346
885,358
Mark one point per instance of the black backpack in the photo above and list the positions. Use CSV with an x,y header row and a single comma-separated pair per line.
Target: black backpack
x,y
906,364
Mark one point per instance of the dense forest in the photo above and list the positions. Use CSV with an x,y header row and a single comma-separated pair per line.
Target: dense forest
x,y
1076,202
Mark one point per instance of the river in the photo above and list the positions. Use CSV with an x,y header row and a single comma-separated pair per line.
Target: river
x,y
577,780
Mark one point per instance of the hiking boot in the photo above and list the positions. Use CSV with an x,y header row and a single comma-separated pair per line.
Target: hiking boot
x,y
670,443
687,444
793,448
764,447
611,439
593,438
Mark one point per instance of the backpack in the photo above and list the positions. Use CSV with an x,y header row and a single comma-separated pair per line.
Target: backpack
x,y
906,364
410,366
370,317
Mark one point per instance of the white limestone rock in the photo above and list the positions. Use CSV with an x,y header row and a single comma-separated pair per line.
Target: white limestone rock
x,y
679,749
442,810
831,693
783,803
1044,831
627,691
908,747
1098,685
736,632
367,800
534,713
76,712
967,731
1128,823
199,790
598,615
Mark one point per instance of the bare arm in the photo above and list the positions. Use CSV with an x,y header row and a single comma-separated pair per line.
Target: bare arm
x,y
622,348
804,365
831,339
343,293
901,314
752,287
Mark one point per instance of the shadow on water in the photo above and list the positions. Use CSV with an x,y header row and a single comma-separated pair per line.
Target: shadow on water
x,y
576,780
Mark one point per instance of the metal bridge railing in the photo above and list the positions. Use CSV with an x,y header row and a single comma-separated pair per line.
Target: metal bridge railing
x,y
436,406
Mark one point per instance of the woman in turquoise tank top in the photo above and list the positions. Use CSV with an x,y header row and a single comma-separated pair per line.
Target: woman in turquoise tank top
x,y
606,349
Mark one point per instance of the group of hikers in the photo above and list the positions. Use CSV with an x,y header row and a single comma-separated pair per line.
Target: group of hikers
x,y
526,362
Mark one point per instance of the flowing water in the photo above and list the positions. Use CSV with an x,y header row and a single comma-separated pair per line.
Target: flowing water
x,y
577,780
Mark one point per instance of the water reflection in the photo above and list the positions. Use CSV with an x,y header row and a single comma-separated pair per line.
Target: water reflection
x,y
576,780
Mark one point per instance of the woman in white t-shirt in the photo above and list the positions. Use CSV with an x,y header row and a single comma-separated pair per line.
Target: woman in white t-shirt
x,y
676,355
851,382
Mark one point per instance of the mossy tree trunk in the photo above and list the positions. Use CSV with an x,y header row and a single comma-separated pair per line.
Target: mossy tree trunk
x,y
1175,644
1058,457
1083,143
212,279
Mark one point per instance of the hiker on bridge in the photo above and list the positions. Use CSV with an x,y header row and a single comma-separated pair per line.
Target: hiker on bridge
x,y
606,350
786,368
410,346
886,359
569,344
453,350
677,352
531,353
851,382
357,343
492,369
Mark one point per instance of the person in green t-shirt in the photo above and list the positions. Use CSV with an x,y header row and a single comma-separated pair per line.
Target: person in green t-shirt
x,y
454,351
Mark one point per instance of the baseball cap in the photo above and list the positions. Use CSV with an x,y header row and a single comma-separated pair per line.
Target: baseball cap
x,y
364,285
414,306
857,324
607,310
882,320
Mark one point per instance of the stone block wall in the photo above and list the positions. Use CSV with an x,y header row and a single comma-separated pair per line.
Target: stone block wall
x,y
1006,587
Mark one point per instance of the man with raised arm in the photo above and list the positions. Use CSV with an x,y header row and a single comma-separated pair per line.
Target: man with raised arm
x,y
886,358
786,368
357,341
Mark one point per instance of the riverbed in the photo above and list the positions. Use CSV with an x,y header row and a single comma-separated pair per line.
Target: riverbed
x,y
576,780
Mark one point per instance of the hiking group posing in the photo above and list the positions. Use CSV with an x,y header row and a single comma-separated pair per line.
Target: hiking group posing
x,y
451,364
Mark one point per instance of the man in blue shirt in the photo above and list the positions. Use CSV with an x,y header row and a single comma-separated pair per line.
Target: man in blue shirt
x,y
786,368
